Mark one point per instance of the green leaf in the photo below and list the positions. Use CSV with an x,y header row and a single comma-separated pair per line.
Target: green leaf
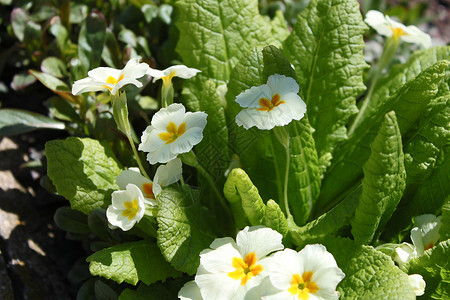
x,y
329,223
32,38
279,25
83,171
212,152
214,35
424,155
183,229
248,206
408,103
157,291
15,121
369,274
383,183
19,20
62,109
54,66
399,75
71,220
104,292
326,48
130,263
22,80
56,85
445,221
91,40
434,268
61,34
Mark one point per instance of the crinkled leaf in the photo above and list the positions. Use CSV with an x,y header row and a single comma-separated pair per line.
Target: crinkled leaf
x,y
399,75
248,206
16,121
326,48
445,221
280,28
383,183
214,35
83,171
329,223
183,229
212,152
130,263
434,268
408,103
369,274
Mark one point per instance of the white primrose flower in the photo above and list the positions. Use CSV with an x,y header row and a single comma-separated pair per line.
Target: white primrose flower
x,y
127,207
311,273
388,27
173,131
104,78
165,175
174,71
273,104
424,236
230,269
417,283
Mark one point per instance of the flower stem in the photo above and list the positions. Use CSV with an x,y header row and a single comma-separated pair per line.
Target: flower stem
x,y
389,50
282,135
136,155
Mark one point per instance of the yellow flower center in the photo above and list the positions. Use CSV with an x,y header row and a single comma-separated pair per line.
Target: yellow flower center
x,y
266,105
168,79
148,190
397,32
245,269
173,132
112,80
302,285
131,209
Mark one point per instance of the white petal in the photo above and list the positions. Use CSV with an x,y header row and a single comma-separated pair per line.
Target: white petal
x,y
190,291
145,144
102,73
167,174
182,71
161,155
151,141
196,119
281,295
173,113
263,120
250,97
217,286
222,241
220,259
377,21
260,240
88,85
281,85
284,265
132,175
417,283
403,253
416,238
188,140
156,74
294,106
134,69
115,218
315,257
429,226
417,36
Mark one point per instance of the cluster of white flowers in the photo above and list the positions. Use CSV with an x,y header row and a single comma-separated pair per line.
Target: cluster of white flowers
x,y
173,131
251,268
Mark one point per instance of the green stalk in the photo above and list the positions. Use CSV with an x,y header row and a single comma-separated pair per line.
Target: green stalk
x,y
282,136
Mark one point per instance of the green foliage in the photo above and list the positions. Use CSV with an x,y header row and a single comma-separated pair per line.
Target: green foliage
x,y
383,183
71,220
433,266
83,171
445,221
326,49
91,40
131,262
183,229
15,121
408,103
369,274
157,291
